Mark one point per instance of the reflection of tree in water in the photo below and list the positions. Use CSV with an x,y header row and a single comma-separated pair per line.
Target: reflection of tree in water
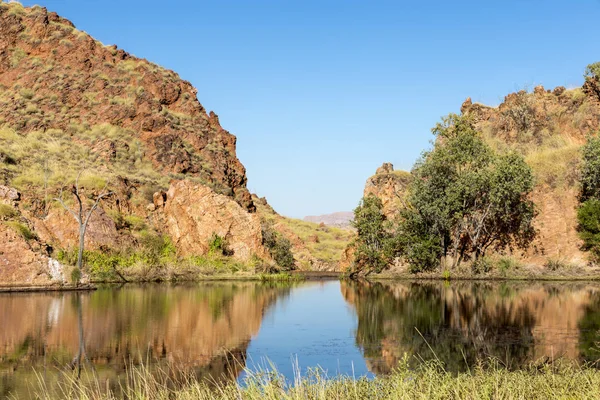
x,y
589,328
459,323
201,330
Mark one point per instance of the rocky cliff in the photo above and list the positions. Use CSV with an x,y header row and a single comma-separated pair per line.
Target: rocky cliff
x,y
68,103
56,77
390,186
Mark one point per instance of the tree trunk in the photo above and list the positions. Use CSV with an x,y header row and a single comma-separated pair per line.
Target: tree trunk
x,y
80,253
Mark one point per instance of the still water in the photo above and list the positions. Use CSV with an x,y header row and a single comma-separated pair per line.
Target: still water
x,y
215,330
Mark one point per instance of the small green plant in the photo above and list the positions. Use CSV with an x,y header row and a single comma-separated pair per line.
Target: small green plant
x,y
446,275
217,245
135,223
75,275
506,265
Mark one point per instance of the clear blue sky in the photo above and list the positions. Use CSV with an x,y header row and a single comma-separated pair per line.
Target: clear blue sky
x,y
320,93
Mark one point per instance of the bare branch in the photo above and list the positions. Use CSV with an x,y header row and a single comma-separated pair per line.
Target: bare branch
x,y
96,203
59,199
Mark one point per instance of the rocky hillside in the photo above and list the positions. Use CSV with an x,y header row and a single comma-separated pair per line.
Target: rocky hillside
x,y
69,104
61,85
548,127
316,247
340,219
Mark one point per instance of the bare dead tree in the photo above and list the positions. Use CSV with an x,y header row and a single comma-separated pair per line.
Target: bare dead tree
x,y
81,216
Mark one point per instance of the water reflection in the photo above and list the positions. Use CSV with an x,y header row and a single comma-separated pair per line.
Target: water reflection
x,y
463,323
214,330
201,329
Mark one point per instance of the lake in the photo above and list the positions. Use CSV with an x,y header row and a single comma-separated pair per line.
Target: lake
x,y
216,330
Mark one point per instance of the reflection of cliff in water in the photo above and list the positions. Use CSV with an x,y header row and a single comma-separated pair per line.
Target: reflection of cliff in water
x,y
204,330
464,323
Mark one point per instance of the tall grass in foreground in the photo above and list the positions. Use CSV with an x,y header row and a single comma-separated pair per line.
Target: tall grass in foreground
x,y
430,381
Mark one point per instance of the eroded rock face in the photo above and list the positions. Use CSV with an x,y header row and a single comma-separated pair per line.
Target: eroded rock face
x,y
193,212
60,229
390,186
24,263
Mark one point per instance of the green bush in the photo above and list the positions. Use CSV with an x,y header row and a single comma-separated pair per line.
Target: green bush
x,y
279,247
588,218
590,169
372,237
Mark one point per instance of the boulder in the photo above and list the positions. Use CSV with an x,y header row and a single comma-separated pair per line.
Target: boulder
x,y
8,193
193,213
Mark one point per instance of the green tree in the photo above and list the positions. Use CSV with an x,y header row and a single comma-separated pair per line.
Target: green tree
x,y
465,199
592,71
372,241
588,214
590,169
588,217
279,247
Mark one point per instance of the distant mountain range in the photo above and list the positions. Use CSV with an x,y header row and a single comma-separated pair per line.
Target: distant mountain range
x,y
340,219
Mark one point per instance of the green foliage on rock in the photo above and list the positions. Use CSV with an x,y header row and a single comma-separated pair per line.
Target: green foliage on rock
x,y
217,245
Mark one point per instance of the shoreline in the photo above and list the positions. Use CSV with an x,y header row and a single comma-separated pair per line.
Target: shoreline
x,y
296,276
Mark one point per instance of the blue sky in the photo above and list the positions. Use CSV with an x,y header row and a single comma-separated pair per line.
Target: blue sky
x,y
320,93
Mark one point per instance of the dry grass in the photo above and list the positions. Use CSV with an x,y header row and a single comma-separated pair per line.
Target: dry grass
x,y
54,157
430,381
322,242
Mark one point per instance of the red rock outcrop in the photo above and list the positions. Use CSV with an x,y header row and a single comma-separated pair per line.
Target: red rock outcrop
x,y
193,213
390,186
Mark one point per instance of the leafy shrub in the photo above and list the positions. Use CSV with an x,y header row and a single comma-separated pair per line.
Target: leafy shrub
x,y
590,169
588,218
279,247
372,236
